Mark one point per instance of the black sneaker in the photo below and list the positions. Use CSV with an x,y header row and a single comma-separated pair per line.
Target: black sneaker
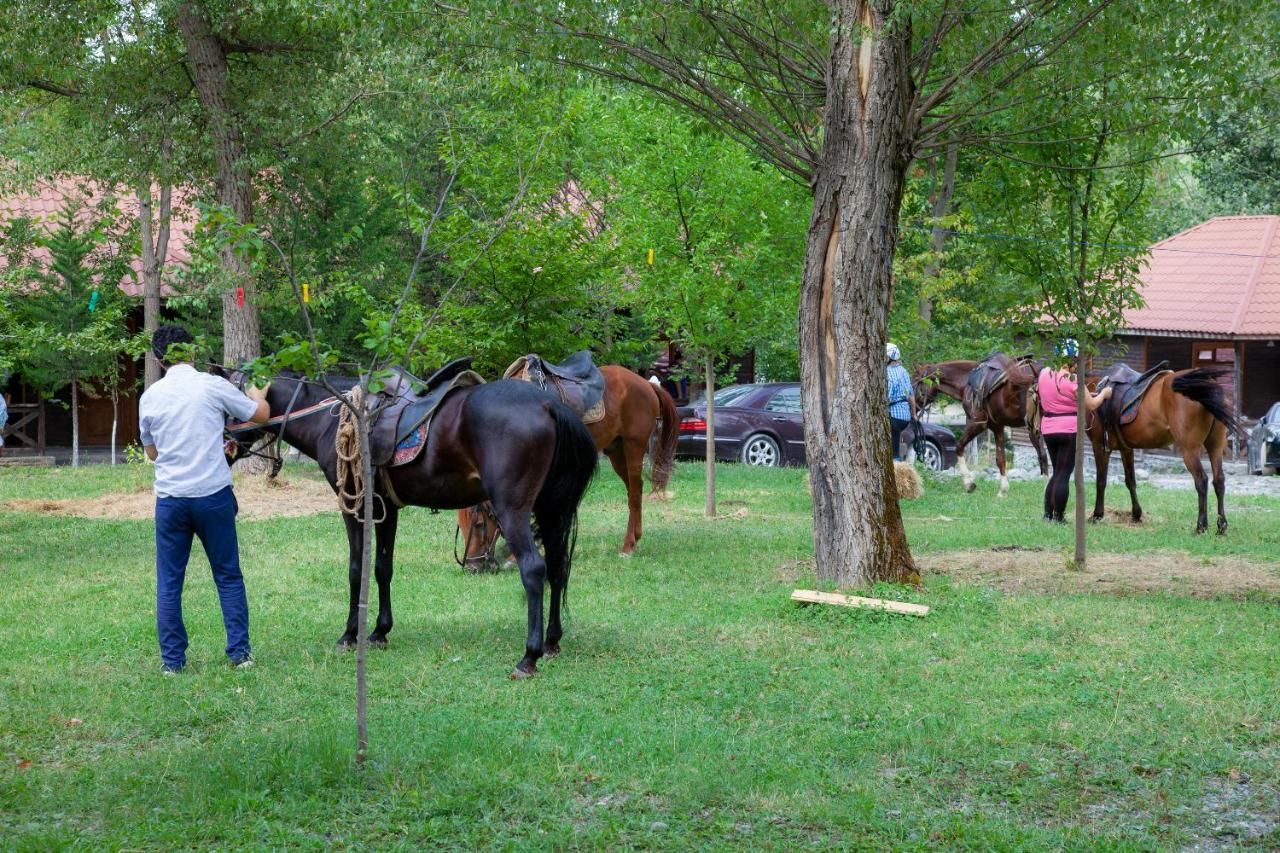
x,y
245,662
170,669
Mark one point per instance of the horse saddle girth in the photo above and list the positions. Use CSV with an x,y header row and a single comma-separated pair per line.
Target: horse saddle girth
x,y
1128,387
576,381
411,402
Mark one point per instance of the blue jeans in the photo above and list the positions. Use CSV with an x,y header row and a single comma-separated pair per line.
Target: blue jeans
x,y
213,519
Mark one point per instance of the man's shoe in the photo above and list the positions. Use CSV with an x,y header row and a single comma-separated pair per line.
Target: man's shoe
x,y
242,663
169,669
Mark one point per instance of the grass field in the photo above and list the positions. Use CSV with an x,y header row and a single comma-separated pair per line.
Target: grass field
x,y
694,705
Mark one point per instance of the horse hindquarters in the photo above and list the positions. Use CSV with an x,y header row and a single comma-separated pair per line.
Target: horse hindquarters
x,y
556,508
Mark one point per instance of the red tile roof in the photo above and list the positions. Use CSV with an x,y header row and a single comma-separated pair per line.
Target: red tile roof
x,y
46,200
1221,277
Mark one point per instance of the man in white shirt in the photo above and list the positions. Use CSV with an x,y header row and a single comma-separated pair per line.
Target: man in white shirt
x,y
181,420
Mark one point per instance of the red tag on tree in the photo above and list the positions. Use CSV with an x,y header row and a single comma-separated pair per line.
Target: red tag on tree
x,y
240,296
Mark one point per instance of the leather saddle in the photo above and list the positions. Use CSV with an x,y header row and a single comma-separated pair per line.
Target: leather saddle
x,y
576,381
1128,388
988,377
410,404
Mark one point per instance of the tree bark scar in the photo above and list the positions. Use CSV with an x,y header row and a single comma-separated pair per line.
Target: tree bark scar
x,y
826,319
865,48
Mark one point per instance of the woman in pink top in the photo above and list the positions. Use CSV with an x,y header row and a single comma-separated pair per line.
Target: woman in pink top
x,y
1057,387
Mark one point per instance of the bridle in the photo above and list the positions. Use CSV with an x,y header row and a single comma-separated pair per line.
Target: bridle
x,y
480,515
271,452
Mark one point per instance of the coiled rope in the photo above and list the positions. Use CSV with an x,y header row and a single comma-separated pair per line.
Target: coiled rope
x,y
346,445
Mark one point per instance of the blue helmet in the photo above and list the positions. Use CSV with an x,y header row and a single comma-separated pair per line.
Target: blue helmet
x,y
1068,348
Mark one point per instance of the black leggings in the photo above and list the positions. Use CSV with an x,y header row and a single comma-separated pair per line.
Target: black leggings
x,y
897,428
1062,455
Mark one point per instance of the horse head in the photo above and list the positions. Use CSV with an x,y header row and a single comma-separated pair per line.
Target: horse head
x,y
478,529
924,381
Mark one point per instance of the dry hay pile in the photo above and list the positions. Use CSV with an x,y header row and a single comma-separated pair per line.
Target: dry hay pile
x,y
258,497
910,486
1045,571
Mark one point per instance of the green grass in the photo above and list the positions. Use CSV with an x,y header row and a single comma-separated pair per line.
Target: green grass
x,y
694,705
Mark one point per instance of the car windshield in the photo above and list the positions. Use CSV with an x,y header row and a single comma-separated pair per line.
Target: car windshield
x,y
727,396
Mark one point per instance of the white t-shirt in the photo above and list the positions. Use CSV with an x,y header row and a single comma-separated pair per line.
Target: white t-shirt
x,y
183,415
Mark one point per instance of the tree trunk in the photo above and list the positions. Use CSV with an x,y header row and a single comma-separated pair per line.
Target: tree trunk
x,y
115,422
75,423
208,61
1081,438
938,237
846,296
362,604
155,250
711,438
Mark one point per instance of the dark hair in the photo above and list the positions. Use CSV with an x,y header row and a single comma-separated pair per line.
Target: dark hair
x,y
167,336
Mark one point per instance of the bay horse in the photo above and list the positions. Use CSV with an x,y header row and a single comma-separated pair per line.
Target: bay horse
x,y
634,408
1005,406
504,442
1187,409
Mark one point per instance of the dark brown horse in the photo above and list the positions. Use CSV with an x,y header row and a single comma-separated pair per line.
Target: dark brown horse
x,y
1188,410
633,409
1005,406
504,442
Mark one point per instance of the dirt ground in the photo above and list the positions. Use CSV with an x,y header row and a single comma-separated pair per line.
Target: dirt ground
x,y
1034,570
258,496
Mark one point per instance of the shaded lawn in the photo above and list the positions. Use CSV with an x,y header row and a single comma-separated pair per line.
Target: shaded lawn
x,y
694,705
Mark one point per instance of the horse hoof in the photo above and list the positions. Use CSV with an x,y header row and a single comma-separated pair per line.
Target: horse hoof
x,y
970,487
378,642
345,645
625,554
551,650
519,674
1222,528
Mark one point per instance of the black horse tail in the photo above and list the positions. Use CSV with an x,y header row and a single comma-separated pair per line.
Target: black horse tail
x,y
556,508
1201,385
664,449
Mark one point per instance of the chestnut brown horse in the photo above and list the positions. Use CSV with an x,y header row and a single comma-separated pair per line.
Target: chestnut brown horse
x,y
1188,410
633,409
1005,406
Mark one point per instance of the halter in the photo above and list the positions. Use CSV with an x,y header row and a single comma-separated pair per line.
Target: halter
x,y
480,515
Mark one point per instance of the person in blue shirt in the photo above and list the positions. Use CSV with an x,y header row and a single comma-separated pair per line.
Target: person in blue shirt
x,y
181,419
902,399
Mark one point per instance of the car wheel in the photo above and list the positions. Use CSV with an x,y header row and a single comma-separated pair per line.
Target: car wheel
x,y
932,456
762,450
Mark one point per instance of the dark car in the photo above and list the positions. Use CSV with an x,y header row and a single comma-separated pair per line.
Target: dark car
x,y
1264,443
761,425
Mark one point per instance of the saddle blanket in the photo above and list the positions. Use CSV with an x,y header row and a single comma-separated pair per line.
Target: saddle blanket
x,y
411,445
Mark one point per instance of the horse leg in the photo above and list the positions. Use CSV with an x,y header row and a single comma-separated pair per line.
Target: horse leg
x,y
557,559
1042,456
1131,481
1216,444
1101,464
533,574
386,533
631,471
971,429
1191,457
354,546
1001,462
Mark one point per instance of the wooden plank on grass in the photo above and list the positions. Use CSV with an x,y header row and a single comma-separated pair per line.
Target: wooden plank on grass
x,y
812,596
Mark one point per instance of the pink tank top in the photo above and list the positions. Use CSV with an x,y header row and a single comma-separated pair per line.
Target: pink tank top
x,y
1057,402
